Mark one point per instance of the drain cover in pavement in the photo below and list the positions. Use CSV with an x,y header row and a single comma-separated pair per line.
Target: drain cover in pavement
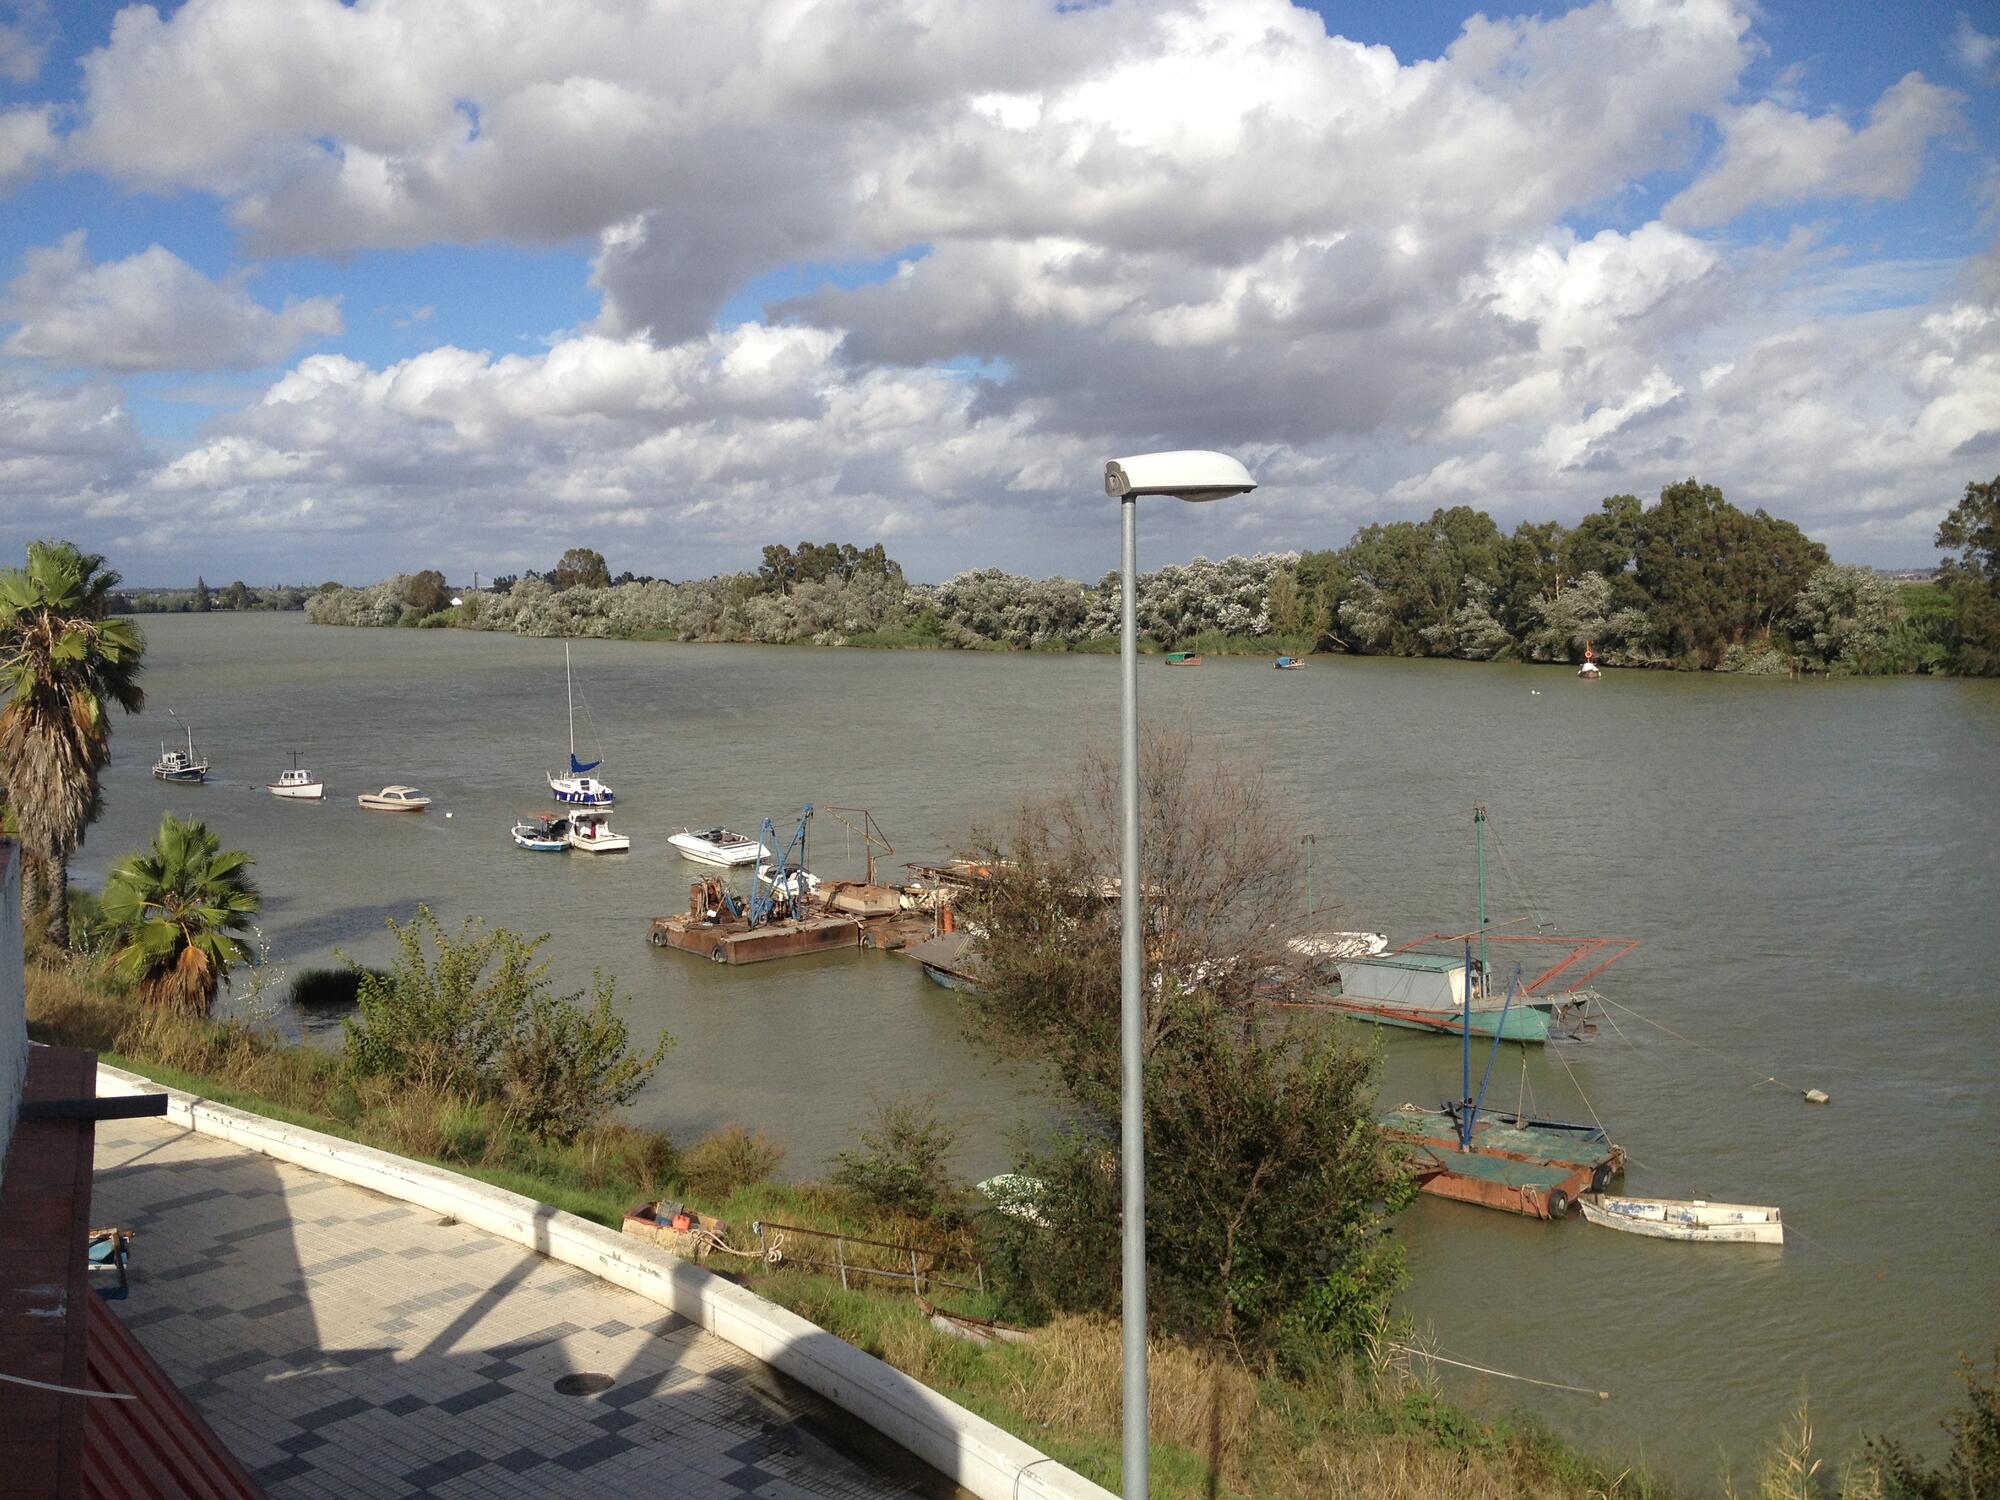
x,y
584,1383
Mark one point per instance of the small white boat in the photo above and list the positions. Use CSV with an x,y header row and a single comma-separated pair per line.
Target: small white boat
x,y
1589,671
394,799
719,847
297,784
590,832
543,832
1686,1219
180,765
798,884
1336,945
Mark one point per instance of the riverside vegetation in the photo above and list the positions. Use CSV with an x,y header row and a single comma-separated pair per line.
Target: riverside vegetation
x,y
1225,1419
1688,582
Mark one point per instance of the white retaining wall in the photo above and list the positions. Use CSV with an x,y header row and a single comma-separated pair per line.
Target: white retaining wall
x,y
13,996
993,1464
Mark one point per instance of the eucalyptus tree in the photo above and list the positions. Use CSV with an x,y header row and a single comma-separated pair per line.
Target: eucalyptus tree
x,y
63,663
176,910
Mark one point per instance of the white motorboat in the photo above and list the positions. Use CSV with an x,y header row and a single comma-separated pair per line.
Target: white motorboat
x,y
1693,1219
798,884
578,788
543,832
394,799
180,765
590,832
297,784
719,847
1335,945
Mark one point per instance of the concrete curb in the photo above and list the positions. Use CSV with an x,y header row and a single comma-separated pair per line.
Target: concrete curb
x,y
992,1464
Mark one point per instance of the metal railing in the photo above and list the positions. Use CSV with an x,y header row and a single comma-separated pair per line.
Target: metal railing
x,y
923,1263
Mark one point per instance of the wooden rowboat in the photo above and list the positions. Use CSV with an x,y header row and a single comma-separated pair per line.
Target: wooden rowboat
x,y
1685,1219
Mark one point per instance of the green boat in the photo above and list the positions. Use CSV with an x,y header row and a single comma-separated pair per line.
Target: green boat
x,y
1183,658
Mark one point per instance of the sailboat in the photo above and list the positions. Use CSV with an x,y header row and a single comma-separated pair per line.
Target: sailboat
x,y
579,788
1539,1168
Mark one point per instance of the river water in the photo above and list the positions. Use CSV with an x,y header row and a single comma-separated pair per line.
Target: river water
x,y
1810,867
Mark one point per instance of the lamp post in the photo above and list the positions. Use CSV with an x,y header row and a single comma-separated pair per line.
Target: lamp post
x,y
1186,475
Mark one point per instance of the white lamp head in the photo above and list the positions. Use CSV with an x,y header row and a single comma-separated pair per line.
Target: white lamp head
x,y
1188,474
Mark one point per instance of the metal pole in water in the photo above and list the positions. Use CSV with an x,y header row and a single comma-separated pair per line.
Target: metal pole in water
x,y
1131,1127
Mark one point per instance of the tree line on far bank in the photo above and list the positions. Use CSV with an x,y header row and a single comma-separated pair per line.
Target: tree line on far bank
x,y
1690,582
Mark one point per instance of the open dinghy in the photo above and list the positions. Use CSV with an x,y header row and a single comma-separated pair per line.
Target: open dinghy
x,y
1685,1219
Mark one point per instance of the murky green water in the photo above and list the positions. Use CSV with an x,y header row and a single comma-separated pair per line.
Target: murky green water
x,y
1811,868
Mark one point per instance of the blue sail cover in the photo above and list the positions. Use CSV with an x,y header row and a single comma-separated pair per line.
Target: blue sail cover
x,y
578,768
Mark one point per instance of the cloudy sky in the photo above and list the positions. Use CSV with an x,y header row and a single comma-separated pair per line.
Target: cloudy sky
x,y
292,289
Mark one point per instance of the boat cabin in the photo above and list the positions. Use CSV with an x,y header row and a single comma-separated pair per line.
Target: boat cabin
x,y
1417,981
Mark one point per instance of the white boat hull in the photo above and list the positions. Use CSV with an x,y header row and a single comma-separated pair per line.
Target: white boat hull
x,y
312,791
604,843
1690,1219
693,846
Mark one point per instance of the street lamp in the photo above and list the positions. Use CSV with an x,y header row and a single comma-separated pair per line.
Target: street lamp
x,y
1186,475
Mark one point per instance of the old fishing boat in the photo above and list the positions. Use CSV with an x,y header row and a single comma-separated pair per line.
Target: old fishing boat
x,y
394,799
591,833
541,832
297,784
1692,1219
579,788
180,765
1511,1162
719,847
1420,989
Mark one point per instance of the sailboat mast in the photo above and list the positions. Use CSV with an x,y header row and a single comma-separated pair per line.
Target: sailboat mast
x,y
569,693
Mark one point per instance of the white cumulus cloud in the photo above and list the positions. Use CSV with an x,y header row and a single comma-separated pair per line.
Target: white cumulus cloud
x,y
1774,155
150,311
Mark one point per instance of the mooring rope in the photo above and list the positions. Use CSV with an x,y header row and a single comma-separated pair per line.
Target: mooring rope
x,y
1730,1057
1554,1385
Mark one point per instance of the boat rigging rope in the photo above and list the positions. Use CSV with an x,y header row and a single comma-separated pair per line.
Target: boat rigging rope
x,y
1520,885
1554,1385
1730,1057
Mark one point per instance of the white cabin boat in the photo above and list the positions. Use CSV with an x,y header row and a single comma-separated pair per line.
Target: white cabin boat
x,y
798,884
719,847
180,765
394,799
590,832
1693,1219
297,784
1589,671
543,832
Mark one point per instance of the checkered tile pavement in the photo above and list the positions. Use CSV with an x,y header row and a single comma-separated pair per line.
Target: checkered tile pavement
x,y
343,1344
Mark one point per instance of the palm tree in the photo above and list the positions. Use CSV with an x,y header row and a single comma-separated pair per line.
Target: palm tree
x,y
174,908
62,663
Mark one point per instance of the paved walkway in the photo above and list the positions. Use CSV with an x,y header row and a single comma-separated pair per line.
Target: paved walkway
x,y
345,1344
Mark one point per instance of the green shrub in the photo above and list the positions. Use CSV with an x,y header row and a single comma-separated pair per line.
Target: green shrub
x,y
441,1024
566,1068
475,1019
730,1159
1972,1466
903,1165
